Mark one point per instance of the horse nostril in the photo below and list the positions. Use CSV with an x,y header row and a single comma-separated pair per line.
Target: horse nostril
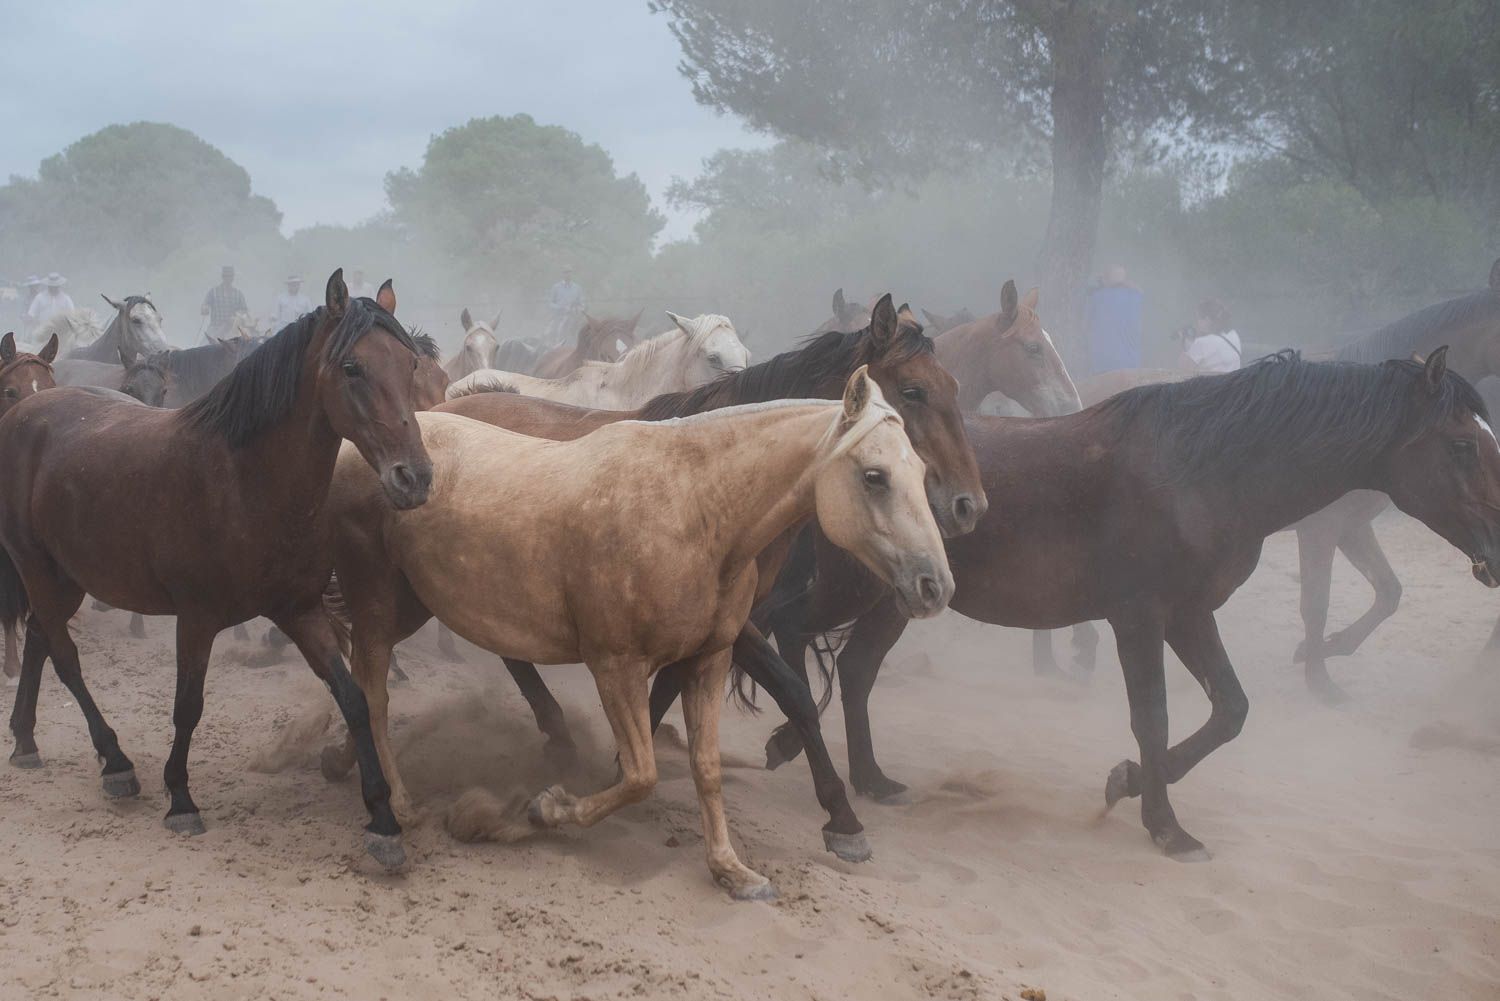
x,y
930,590
404,477
963,507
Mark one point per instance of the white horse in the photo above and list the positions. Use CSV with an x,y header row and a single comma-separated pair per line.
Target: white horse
x,y
73,327
693,352
135,332
480,345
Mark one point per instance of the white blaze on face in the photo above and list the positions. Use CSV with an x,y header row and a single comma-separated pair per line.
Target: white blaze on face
x,y
1484,426
1048,336
33,385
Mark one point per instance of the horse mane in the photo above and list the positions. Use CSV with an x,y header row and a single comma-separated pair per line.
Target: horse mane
x,y
1423,330
262,388
822,359
106,346
68,326
426,346
1335,417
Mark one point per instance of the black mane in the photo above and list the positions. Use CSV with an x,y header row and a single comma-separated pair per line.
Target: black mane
x,y
426,346
1336,417
1423,330
819,368
262,388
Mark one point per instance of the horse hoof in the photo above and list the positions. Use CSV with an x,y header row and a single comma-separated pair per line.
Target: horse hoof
x,y
886,792
1180,846
1124,780
29,760
385,849
849,847
190,824
755,891
121,785
333,764
542,810
138,630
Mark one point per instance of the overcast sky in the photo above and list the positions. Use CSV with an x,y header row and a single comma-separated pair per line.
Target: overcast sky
x,y
318,100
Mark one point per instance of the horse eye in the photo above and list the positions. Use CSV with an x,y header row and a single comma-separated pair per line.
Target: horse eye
x,y
915,394
1462,447
1034,349
351,369
715,360
875,479
12,393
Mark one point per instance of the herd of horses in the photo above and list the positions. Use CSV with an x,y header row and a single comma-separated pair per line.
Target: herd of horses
x,y
673,516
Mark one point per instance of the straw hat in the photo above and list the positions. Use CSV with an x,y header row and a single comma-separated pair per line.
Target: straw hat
x,y
55,280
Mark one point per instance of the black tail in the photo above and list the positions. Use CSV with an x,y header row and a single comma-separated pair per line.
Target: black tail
x,y
337,610
13,602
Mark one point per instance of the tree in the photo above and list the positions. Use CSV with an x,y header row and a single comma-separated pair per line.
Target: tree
x,y
138,193
510,200
894,88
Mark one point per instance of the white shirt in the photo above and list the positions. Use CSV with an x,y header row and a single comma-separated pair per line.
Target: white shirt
x,y
289,307
361,290
1215,352
45,306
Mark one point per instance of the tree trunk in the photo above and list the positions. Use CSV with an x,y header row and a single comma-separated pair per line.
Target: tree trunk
x,y
1076,40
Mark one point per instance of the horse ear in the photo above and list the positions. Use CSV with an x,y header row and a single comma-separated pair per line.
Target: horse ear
x,y
838,304
1032,297
495,323
883,321
8,348
386,297
1495,275
1435,368
336,295
933,321
1416,356
119,307
636,322
48,353
856,394
1008,304
465,320
683,323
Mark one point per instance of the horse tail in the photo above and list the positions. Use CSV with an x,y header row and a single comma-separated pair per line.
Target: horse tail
x,y
337,610
13,601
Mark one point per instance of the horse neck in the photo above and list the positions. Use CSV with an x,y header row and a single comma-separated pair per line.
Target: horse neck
x,y
763,468
645,371
964,352
292,460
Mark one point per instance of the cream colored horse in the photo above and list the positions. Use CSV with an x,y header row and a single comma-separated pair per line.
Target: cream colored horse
x,y
628,549
691,353
480,345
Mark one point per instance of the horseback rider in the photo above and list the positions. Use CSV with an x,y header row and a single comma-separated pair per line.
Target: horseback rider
x,y
221,303
565,302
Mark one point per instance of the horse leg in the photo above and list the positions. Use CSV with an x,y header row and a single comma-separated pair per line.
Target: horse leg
x,y
1043,663
549,715
118,774
1494,641
448,648
23,713
1362,548
138,625
241,634
12,658
195,641
785,742
1085,649
843,834
1195,638
622,690
1139,641
1315,547
702,697
872,637
666,687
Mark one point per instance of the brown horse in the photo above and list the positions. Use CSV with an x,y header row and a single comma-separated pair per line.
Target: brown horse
x,y
598,340
431,382
21,375
213,513
901,361
847,315
516,553
1009,352
1150,510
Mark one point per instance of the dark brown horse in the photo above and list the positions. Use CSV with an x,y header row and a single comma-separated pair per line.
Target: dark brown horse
x,y
598,340
1471,326
211,513
847,315
902,363
21,375
1149,510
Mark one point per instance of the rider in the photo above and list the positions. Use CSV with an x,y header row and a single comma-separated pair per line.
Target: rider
x,y
565,302
221,303
50,302
290,304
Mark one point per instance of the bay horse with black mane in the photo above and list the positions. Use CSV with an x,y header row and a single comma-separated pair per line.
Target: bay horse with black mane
x,y
1150,510
212,513
598,340
901,361
22,374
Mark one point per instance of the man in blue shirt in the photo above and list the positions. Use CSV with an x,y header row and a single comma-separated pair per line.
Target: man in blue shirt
x,y
1113,320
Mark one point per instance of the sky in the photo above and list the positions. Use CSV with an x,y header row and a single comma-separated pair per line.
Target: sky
x,y
319,100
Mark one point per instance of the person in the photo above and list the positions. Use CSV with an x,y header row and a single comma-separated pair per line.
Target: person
x,y
565,301
291,304
1211,344
221,303
1112,319
50,302
30,289
358,287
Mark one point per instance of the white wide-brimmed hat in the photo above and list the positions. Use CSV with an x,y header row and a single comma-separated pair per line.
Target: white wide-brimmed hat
x,y
31,281
294,278
55,280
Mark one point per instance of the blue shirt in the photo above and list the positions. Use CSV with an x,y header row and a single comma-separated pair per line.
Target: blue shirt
x,y
1113,322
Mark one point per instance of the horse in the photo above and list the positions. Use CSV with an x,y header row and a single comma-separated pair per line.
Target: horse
x,y
847,315
479,347
1009,352
71,327
598,340
1470,324
22,374
691,353
519,354
431,384
902,362
940,324
135,330
1098,388
213,513
1150,510
515,553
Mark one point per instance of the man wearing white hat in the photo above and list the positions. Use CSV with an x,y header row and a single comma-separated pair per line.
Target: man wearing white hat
x,y
290,304
50,302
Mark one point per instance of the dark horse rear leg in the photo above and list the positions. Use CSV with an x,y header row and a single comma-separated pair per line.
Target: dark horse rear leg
x,y
1316,543
549,715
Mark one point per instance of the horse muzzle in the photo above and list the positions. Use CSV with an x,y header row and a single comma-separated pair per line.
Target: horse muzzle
x,y
925,590
406,484
1483,572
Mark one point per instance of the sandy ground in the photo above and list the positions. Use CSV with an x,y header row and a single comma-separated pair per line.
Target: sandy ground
x,y
1355,850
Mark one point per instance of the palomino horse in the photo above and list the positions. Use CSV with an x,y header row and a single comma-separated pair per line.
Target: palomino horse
x,y
515,553
213,513
480,345
22,375
902,363
135,330
598,340
691,353
1149,510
